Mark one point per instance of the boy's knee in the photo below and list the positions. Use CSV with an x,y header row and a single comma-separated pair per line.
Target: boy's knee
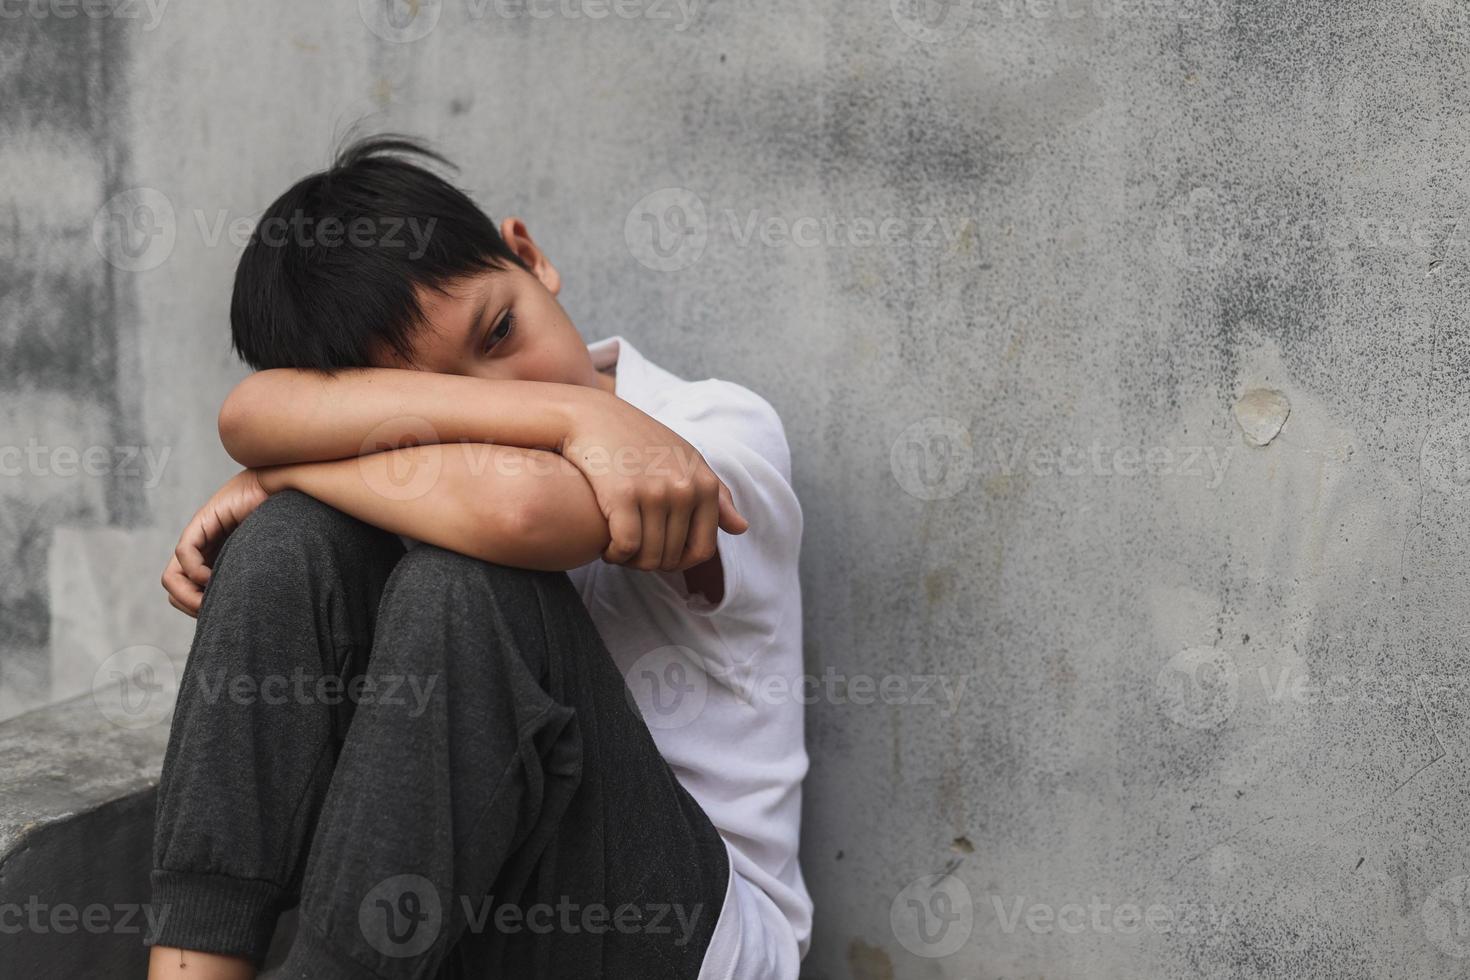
x,y
428,575
292,513
291,527
475,611
430,586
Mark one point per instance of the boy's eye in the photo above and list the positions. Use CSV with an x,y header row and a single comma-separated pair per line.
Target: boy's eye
x,y
500,332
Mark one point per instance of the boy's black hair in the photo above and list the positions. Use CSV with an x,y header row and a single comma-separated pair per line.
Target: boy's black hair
x,y
328,277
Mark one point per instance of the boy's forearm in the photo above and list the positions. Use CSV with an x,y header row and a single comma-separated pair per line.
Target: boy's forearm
x,y
286,416
523,508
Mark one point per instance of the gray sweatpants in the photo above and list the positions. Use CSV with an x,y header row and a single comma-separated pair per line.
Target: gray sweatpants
x,y
435,756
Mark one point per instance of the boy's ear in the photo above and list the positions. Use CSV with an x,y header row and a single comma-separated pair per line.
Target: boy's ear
x,y
513,232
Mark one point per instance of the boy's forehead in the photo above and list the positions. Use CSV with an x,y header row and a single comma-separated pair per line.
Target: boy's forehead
x,y
451,316
454,303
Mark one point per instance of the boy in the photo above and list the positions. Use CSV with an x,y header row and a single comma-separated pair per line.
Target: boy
x,y
518,809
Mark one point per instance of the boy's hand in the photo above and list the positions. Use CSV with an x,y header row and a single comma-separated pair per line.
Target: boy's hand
x,y
188,571
662,502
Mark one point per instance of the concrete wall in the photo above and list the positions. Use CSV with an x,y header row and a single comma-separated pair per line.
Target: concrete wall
x,y
1119,342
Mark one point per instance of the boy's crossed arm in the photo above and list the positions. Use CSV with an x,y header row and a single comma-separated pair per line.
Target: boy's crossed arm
x,y
523,473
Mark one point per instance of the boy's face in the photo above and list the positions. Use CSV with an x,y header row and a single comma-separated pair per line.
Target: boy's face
x,y
503,324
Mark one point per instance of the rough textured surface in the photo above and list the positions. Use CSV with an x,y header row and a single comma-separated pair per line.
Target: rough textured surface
x,y
1209,703
76,895
76,833
72,757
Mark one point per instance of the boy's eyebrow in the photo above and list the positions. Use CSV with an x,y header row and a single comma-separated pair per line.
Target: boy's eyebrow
x,y
476,320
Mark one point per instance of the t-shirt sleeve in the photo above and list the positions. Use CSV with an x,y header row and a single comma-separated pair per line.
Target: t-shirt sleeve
x,y
742,439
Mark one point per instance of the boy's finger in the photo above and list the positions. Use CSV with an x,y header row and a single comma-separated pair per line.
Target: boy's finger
x,y
625,528
190,553
192,613
183,594
172,576
651,551
731,519
676,532
703,538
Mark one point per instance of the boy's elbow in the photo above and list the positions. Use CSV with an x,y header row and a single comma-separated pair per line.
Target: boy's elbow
x,y
241,417
536,531
505,531
233,428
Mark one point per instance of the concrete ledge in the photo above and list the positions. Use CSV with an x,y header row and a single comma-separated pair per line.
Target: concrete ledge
x,y
76,828
77,792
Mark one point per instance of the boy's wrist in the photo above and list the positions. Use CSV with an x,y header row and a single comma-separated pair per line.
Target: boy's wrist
x,y
574,406
274,479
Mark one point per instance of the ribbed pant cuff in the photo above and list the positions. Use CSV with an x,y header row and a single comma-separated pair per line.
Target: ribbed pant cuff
x,y
312,957
215,913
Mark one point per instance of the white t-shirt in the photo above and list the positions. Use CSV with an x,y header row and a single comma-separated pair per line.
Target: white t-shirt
x,y
720,684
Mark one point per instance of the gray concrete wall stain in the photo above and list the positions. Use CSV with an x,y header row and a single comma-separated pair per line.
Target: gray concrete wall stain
x,y
64,316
